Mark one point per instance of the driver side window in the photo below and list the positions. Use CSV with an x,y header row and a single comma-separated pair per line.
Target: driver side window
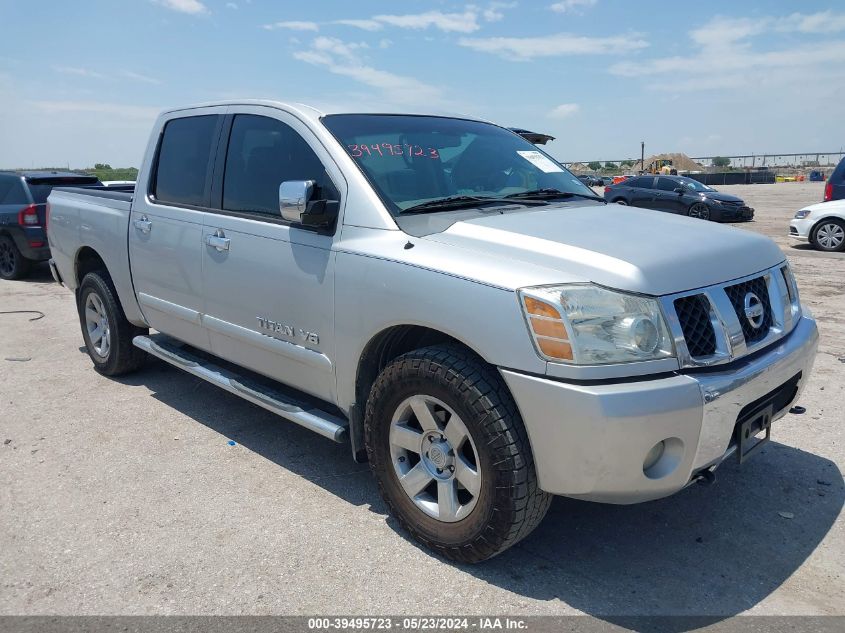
x,y
263,153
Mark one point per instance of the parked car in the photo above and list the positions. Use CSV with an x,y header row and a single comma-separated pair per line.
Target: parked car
x,y
445,296
821,224
834,189
23,198
677,194
606,180
590,180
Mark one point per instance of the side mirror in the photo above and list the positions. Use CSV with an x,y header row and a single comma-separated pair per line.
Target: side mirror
x,y
293,199
680,190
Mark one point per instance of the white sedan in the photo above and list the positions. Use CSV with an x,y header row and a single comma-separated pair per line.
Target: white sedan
x,y
822,224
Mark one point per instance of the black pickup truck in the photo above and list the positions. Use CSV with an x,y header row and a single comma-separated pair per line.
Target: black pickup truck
x,y
23,216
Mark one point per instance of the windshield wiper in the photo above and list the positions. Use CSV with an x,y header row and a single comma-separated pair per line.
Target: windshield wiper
x,y
458,202
547,194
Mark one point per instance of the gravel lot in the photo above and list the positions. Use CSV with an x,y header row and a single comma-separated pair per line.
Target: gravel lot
x,y
124,497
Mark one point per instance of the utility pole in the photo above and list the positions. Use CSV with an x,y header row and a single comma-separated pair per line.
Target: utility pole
x,y
642,155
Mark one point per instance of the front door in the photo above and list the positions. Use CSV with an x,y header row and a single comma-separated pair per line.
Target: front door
x,y
269,285
165,227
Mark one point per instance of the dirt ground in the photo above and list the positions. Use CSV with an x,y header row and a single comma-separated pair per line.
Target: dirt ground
x,y
125,497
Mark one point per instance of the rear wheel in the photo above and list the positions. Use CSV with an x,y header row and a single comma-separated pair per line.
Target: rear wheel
x,y
829,235
699,210
451,455
13,265
107,334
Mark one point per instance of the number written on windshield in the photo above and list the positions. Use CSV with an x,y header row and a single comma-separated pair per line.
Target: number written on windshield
x,y
387,149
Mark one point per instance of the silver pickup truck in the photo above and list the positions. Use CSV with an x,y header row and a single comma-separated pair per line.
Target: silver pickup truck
x,y
445,297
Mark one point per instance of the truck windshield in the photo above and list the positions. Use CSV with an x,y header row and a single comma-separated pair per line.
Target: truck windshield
x,y
411,160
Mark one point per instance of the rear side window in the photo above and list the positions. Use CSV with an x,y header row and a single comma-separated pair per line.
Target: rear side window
x,y
664,184
640,183
183,172
262,154
12,191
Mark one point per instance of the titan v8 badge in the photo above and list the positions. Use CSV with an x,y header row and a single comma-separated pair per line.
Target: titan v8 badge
x,y
281,329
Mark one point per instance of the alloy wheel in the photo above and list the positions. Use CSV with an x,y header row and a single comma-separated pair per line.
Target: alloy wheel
x,y
435,458
700,211
97,325
830,235
7,259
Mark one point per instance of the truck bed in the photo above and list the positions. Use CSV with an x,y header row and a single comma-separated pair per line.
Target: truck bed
x,y
93,218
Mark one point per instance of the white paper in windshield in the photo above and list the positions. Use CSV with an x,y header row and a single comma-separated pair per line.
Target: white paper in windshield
x,y
540,161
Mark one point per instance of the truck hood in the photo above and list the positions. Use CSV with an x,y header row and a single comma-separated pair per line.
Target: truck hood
x,y
622,247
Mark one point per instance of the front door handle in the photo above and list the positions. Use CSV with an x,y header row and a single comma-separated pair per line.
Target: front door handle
x,y
218,240
143,225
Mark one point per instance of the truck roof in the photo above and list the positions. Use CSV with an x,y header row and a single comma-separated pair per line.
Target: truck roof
x,y
313,113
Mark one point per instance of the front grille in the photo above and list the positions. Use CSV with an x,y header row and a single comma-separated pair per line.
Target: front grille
x,y
694,317
737,294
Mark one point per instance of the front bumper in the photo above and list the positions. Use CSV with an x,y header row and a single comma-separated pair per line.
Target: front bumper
x,y
590,440
800,229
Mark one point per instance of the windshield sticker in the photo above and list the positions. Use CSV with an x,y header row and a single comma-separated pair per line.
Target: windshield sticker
x,y
387,149
540,161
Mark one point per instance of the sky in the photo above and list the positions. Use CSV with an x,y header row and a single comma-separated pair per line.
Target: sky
x,y
82,82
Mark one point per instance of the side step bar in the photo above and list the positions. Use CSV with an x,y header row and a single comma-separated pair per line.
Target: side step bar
x,y
325,424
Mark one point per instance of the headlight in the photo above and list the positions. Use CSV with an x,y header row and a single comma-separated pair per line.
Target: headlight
x,y
591,325
714,201
803,213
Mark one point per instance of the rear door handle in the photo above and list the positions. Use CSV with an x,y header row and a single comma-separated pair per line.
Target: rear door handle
x,y
218,240
143,225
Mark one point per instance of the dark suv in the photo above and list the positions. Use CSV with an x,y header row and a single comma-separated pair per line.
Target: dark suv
x,y
835,187
678,194
23,217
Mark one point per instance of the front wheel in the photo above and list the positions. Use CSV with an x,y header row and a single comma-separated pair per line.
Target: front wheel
x,y
451,455
105,330
699,210
829,235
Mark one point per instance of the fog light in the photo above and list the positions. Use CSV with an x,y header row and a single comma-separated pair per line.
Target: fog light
x,y
654,454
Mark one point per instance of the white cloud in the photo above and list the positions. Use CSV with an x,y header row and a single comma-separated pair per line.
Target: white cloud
x,y
726,44
367,25
564,110
528,48
293,25
822,22
231,5
566,6
465,22
193,7
493,11
79,72
128,74
343,58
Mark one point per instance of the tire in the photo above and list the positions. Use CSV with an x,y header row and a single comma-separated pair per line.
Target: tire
x,y
700,211
621,201
13,265
829,235
483,440
107,334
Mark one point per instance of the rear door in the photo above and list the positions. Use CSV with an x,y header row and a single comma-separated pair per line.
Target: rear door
x,y
666,198
269,285
641,191
165,228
